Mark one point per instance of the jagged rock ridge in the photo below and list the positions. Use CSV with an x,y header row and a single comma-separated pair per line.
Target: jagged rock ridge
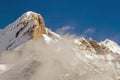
x,y
104,47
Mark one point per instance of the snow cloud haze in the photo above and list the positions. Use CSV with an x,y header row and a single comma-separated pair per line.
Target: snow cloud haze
x,y
56,61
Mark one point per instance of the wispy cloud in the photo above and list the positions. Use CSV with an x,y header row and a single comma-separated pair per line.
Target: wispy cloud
x,y
88,32
64,29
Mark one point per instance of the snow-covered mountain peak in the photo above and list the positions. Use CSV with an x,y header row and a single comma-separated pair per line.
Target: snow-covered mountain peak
x,y
108,41
29,26
114,47
30,15
37,53
105,47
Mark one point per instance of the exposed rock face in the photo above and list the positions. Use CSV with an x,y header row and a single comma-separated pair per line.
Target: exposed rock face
x,y
93,43
39,27
93,46
29,26
84,45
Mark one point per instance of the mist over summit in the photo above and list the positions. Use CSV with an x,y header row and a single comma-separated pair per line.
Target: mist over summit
x,y
31,51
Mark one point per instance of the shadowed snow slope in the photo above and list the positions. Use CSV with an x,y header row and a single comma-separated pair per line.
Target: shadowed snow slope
x,y
30,51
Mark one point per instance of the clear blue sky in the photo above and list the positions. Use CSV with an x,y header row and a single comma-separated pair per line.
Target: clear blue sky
x,y
99,19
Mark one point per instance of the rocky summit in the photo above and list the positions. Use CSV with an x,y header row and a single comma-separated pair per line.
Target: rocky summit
x,y
29,26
